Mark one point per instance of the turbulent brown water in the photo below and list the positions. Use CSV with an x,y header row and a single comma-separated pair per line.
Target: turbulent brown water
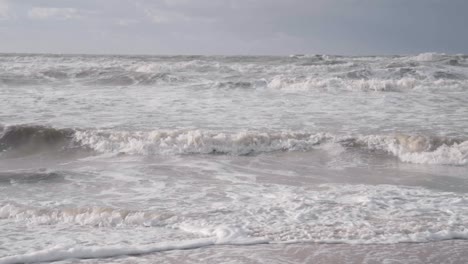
x,y
102,157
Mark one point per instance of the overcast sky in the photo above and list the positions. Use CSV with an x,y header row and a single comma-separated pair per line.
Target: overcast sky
x,y
234,26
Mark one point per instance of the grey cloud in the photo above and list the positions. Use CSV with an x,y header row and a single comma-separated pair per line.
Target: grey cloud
x,y
54,13
4,10
238,26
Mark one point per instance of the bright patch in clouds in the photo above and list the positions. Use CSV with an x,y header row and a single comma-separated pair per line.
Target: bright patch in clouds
x,y
276,27
4,10
53,13
127,22
163,17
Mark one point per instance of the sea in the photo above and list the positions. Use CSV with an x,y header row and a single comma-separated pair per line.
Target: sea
x,y
233,159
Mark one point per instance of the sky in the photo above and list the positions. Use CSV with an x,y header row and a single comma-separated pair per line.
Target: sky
x,y
234,27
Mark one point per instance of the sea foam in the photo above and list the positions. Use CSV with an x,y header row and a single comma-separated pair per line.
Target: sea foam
x,y
408,148
327,213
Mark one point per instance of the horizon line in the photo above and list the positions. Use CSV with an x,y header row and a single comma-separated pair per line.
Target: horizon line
x,y
228,55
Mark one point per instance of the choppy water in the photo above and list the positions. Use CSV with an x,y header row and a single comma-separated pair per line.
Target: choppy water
x,y
106,156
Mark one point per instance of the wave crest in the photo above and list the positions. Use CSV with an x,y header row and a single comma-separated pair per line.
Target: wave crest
x,y
197,142
297,72
421,149
408,148
364,84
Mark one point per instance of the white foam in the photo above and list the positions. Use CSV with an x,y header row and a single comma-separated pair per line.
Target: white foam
x,y
408,148
429,56
356,214
91,216
456,154
176,198
196,141
218,236
301,84
420,149
333,148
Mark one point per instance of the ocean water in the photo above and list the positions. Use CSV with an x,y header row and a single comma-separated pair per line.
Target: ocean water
x,y
189,159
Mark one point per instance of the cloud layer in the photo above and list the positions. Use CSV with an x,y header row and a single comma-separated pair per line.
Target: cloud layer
x,y
234,26
53,13
4,10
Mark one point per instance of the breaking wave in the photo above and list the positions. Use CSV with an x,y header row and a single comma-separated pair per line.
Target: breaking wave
x,y
352,82
298,72
408,148
33,138
89,77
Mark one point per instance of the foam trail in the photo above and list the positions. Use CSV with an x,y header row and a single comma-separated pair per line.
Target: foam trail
x,y
92,216
60,253
57,253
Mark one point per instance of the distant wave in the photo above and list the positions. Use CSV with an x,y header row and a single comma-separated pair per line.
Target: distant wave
x,y
286,83
352,82
408,148
88,77
295,73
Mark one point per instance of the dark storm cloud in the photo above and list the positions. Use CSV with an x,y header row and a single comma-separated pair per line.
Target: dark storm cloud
x,y
234,26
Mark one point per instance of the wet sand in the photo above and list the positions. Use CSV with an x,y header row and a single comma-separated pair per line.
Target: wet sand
x,y
451,251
